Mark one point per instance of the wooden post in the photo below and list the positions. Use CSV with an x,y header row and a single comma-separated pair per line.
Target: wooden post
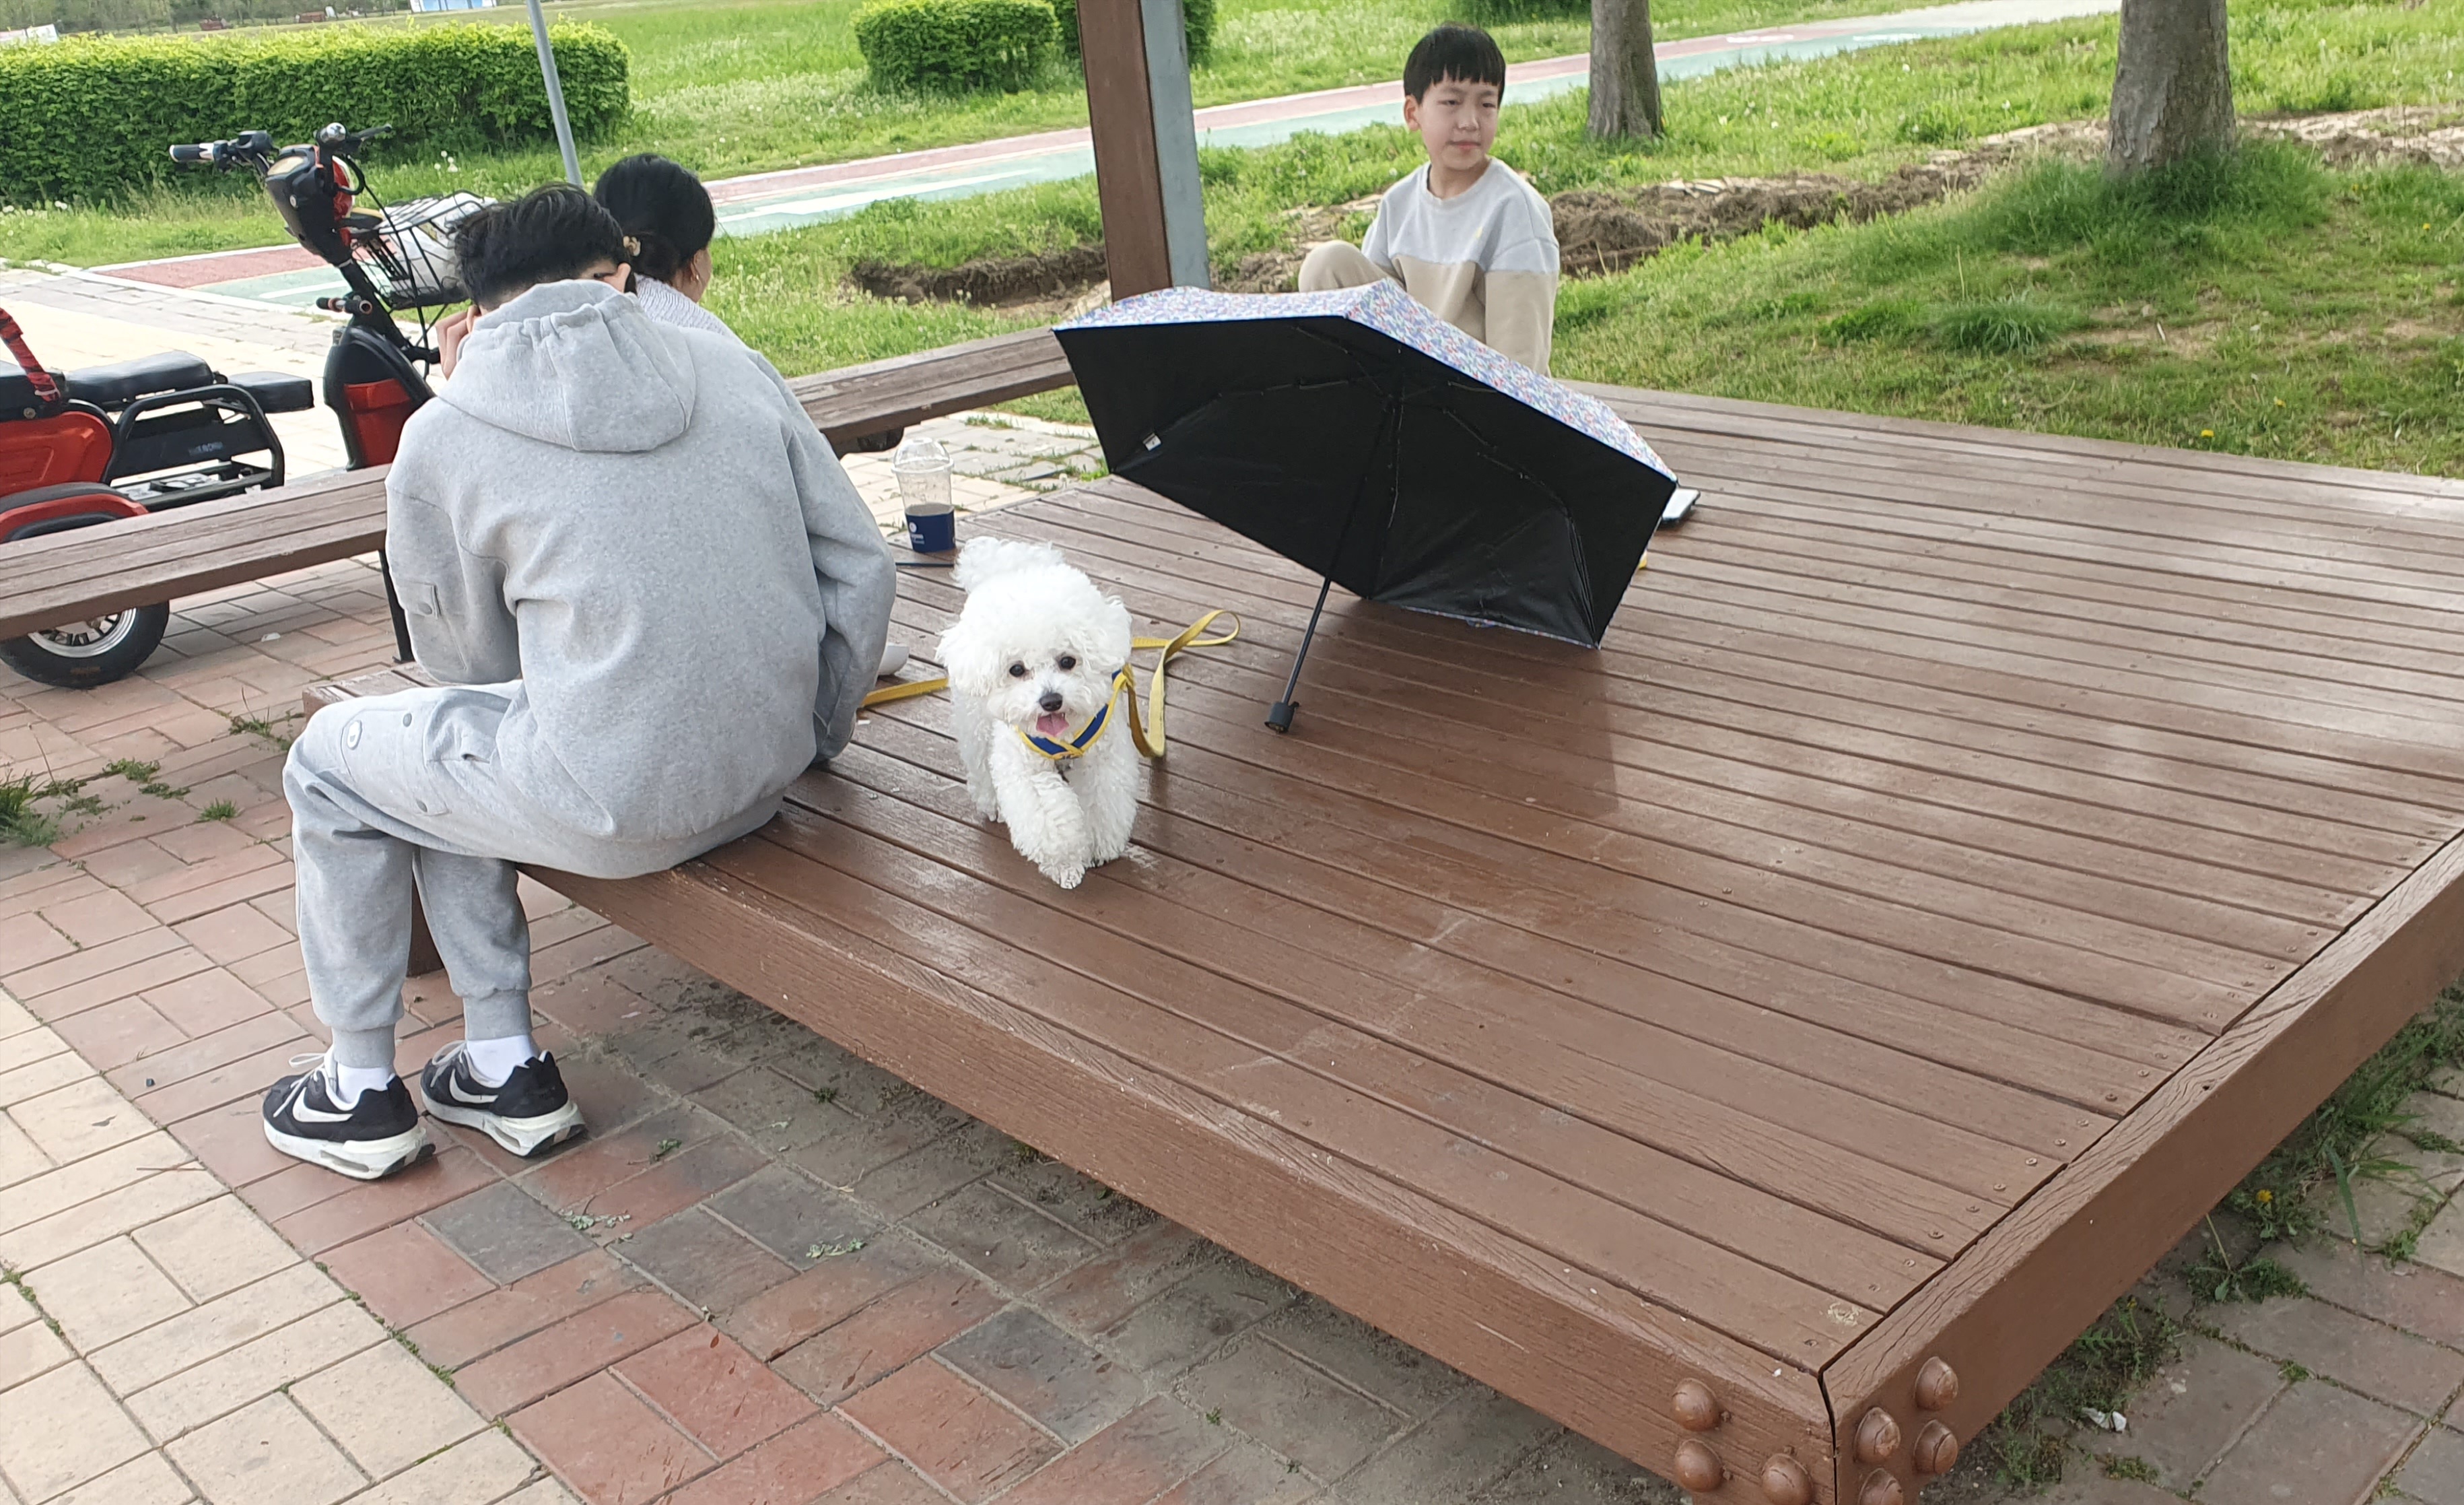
x,y
1146,143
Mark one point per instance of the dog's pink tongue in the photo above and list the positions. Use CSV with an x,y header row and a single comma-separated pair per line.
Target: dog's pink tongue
x,y
1052,725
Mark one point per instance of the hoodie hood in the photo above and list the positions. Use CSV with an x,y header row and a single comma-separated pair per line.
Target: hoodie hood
x,y
577,365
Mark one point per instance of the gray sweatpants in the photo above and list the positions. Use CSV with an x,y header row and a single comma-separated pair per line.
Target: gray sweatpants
x,y
401,789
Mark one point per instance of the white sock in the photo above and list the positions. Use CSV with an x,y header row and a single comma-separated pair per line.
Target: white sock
x,y
495,1060
349,1082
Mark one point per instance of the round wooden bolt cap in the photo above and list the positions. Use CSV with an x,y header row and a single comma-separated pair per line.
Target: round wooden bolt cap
x,y
1878,1436
1785,1481
1698,1468
1936,1450
1696,1409
1881,1489
1937,1385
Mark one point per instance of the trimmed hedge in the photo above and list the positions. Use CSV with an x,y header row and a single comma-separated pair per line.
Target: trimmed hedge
x,y
93,118
1197,26
957,44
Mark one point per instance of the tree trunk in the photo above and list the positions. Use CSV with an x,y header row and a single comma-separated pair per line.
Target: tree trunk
x,y
2172,90
1625,75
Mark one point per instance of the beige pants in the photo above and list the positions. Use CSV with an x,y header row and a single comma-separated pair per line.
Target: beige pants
x,y
1339,264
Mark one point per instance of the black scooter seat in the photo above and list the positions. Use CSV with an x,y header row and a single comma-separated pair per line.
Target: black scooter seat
x,y
277,391
126,381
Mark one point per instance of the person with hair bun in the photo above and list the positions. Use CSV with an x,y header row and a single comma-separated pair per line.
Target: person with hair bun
x,y
669,214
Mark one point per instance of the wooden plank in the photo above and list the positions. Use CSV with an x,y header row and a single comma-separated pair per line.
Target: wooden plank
x,y
1483,1302
2360,489
2414,742
2237,616
1648,716
2157,504
1644,672
2324,766
189,550
2007,1306
1437,1009
1201,830
1239,1049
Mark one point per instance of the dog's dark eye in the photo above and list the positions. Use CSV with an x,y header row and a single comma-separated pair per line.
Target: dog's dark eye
x,y
1018,671
1067,662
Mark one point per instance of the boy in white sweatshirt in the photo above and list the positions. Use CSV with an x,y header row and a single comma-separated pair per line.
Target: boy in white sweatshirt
x,y
1464,235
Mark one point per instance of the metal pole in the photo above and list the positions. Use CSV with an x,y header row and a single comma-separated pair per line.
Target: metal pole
x,y
1175,139
555,94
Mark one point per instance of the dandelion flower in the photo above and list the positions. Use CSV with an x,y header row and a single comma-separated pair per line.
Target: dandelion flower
x,y
2207,434
2265,1195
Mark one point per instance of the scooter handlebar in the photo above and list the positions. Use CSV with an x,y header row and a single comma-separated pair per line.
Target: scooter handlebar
x,y
251,148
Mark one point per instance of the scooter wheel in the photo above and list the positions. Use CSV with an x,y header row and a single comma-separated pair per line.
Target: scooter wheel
x,y
84,655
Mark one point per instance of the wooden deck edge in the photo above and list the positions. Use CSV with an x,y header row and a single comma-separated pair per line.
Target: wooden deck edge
x,y
1542,1334
2439,488
2014,1300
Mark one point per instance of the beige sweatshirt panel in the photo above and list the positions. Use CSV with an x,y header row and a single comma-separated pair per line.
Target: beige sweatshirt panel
x,y
1485,260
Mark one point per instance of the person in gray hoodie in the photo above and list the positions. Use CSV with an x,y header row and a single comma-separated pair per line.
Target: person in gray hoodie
x,y
654,599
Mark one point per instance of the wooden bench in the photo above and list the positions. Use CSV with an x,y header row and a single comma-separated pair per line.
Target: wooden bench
x,y
73,576
1969,855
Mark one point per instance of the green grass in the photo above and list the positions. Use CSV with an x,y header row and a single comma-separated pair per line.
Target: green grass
x,y
2033,305
2332,1149
2101,1370
750,85
23,822
2271,308
2029,1443
2266,306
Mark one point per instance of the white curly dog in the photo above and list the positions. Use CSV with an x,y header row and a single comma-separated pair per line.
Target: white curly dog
x,y
1035,663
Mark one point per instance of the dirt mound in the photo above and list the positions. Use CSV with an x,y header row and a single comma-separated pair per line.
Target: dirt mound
x,y
2433,136
1607,229
988,281
1601,231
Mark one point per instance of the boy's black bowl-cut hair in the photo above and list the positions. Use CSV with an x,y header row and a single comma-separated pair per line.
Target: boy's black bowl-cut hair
x,y
553,233
1462,54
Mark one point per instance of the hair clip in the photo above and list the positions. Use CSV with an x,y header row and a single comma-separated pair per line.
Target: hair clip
x,y
633,246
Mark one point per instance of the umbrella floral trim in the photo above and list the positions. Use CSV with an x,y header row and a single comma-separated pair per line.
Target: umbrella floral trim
x,y
1385,307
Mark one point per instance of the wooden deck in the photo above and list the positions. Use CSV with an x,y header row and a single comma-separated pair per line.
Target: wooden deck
x,y
1969,855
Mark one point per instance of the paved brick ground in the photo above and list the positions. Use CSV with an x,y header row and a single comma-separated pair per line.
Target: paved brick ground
x,y
159,1342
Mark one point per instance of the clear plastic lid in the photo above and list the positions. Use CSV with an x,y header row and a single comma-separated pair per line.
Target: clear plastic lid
x,y
920,454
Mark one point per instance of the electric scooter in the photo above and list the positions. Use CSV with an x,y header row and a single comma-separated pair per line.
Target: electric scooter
x,y
84,446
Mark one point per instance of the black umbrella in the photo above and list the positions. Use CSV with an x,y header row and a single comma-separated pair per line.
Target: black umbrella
x,y
1364,438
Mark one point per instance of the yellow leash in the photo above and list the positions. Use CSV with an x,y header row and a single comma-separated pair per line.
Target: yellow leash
x,y
907,690
1147,730
1151,742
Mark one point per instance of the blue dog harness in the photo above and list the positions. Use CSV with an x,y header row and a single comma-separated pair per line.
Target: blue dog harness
x,y
1089,734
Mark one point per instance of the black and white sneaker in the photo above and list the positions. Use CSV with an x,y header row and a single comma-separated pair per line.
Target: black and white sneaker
x,y
376,1136
529,1112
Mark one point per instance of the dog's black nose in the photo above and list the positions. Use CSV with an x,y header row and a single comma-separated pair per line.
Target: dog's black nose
x,y
1051,702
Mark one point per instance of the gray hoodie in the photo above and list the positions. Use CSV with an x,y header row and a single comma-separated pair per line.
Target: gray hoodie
x,y
640,524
